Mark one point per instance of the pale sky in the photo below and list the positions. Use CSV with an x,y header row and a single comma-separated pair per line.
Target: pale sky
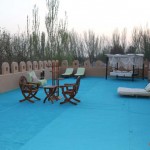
x,y
100,16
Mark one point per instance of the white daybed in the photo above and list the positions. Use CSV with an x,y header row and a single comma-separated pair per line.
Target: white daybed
x,y
132,62
134,91
121,73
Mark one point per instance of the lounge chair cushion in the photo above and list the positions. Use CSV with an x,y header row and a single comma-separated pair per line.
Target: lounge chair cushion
x,y
147,88
32,76
43,82
121,73
68,72
80,72
34,79
132,91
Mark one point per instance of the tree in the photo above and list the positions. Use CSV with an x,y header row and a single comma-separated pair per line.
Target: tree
x,y
124,39
35,34
51,21
62,39
131,50
145,43
91,45
116,46
42,46
136,38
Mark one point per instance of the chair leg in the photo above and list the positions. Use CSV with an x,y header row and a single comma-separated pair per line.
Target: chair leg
x,y
30,100
65,101
68,97
68,100
27,100
72,102
22,100
36,97
76,99
29,96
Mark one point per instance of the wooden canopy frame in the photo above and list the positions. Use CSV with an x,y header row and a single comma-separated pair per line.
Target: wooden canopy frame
x,y
132,60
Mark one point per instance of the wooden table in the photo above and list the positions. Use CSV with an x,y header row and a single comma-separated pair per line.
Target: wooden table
x,y
50,93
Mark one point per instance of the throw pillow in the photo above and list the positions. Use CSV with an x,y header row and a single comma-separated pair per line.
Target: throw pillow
x,y
34,79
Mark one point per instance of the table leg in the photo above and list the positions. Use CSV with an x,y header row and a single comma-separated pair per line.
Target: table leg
x,y
50,93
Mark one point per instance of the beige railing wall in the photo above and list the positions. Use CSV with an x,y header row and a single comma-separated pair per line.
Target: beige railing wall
x,y
11,73
9,78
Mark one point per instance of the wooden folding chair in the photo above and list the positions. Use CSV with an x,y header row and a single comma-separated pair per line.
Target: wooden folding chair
x,y
69,92
29,90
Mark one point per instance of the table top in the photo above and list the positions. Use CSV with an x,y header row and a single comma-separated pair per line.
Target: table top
x,y
50,86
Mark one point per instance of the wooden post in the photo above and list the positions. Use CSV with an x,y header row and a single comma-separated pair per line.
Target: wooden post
x,y
133,74
106,67
143,71
53,72
57,75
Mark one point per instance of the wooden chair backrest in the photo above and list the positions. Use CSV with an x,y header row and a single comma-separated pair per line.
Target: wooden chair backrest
x,y
77,85
22,82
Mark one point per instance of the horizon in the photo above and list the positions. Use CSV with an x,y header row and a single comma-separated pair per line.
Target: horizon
x,y
100,16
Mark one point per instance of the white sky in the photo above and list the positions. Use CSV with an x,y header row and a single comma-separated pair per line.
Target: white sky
x,y
100,16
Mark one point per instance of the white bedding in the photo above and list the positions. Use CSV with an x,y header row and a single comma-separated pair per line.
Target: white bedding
x,y
132,91
121,73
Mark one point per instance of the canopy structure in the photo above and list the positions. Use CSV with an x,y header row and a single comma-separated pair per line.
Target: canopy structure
x,y
128,62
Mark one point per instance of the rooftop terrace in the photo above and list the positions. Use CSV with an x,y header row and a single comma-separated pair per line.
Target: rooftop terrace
x,y
102,120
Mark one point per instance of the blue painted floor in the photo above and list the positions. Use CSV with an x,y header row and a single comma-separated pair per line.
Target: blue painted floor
x,y
101,121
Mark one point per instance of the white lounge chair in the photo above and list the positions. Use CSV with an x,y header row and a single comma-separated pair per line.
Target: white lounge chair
x,y
134,91
80,72
68,72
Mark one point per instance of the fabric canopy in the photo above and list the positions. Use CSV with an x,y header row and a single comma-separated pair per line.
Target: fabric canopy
x,y
126,61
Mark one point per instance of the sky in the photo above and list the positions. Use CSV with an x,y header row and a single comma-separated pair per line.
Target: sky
x,y
100,16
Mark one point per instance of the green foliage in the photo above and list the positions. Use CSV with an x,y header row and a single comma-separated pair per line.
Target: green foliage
x,y
131,50
117,48
42,52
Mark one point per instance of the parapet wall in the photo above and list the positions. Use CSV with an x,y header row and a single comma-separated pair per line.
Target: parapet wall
x,y
11,81
9,78
11,74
